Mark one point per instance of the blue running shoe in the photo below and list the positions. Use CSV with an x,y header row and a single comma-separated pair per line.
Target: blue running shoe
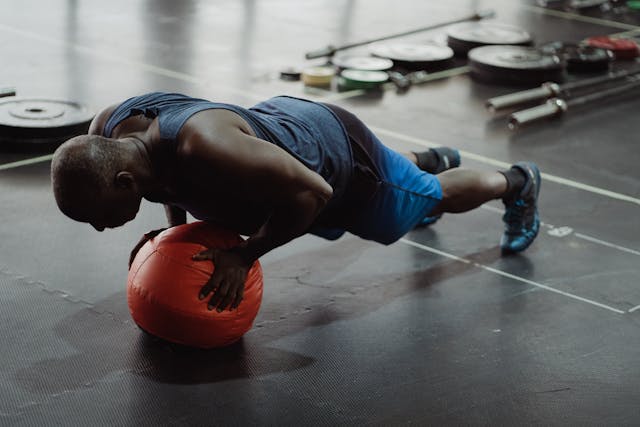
x,y
521,215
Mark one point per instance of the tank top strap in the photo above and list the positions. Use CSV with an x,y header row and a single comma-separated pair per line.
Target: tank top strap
x,y
171,109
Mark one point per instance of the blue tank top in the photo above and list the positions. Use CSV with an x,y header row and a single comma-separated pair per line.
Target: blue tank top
x,y
305,129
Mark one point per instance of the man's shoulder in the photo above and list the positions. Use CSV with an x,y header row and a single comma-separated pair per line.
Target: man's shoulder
x,y
214,124
99,121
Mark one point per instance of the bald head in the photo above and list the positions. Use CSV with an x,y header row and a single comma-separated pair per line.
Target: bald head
x,y
85,173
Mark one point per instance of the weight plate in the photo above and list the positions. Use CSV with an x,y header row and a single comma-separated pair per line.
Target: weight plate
x,y
621,48
361,79
412,52
366,63
318,76
365,76
580,58
468,35
515,65
414,56
586,4
291,74
27,121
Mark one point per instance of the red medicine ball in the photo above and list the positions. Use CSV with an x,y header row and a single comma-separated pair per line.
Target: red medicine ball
x,y
164,283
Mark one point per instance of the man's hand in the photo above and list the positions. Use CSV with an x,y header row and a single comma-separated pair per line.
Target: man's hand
x,y
145,238
228,278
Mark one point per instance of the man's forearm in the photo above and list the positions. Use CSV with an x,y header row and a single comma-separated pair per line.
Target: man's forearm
x,y
285,224
175,215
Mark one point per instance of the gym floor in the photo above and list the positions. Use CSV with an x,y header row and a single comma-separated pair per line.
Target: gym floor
x,y
436,329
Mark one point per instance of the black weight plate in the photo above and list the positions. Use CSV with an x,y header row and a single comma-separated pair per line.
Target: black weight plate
x,y
581,58
468,35
32,121
515,65
414,56
363,63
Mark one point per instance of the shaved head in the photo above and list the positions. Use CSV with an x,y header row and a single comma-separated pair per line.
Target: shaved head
x,y
83,176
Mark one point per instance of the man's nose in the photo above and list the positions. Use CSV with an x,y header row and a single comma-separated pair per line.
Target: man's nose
x,y
98,228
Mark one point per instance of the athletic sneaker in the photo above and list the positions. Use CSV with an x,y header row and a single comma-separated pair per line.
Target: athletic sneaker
x,y
521,215
448,158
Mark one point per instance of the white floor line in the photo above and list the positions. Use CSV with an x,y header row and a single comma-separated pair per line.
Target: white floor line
x,y
626,34
26,162
582,18
505,165
510,276
634,309
605,243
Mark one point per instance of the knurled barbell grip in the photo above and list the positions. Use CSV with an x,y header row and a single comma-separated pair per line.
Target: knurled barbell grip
x,y
512,99
553,107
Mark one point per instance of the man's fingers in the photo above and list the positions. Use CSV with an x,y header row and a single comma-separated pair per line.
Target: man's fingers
x,y
226,282
239,298
207,288
218,295
231,294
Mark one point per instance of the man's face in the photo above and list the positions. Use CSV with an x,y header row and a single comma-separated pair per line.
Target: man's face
x,y
112,208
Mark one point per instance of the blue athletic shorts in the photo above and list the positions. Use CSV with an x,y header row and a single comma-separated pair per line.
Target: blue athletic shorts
x,y
403,197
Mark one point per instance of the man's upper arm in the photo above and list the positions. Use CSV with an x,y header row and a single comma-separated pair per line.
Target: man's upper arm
x,y
98,122
260,167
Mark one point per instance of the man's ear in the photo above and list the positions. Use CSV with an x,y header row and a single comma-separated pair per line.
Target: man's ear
x,y
124,180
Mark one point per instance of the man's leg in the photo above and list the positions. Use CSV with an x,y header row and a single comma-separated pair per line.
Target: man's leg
x,y
464,190
435,161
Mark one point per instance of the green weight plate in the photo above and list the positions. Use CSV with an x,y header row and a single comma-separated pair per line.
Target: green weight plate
x,y
361,79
